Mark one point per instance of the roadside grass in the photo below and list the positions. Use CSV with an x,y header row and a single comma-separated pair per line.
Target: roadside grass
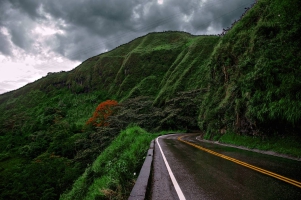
x,y
288,145
113,173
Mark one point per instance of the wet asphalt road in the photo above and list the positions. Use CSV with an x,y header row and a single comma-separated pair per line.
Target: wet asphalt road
x,y
205,176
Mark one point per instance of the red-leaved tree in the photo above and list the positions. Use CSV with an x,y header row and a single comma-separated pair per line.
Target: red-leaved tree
x,y
101,114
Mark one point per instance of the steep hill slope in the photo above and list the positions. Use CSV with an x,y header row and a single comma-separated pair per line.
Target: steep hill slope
x,y
254,84
246,82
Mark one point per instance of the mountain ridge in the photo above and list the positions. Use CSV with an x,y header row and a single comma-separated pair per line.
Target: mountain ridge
x,y
245,82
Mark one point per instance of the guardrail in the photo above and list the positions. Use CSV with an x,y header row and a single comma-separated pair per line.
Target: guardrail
x,y
139,190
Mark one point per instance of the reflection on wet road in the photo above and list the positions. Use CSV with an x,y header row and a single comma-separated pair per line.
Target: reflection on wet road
x,y
202,175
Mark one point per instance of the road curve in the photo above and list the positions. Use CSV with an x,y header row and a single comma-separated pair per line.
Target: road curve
x,y
202,175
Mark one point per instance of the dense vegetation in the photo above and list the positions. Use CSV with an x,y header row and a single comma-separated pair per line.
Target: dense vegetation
x,y
113,173
246,82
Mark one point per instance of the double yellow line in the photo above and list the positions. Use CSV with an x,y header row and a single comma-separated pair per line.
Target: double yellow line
x,y
263,171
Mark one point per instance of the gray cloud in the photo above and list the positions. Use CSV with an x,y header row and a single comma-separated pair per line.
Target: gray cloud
x,y
21,37
5,47
53,35
17,25
92,26
29,7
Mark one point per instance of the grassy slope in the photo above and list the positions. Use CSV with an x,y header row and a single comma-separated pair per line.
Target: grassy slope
x,y
254,74
255,79
113,173
248,80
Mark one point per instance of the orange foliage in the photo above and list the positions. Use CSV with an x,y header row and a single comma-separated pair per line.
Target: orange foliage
x,y
101,114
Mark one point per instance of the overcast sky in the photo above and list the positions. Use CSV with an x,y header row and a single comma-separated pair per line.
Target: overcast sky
x,y
41,36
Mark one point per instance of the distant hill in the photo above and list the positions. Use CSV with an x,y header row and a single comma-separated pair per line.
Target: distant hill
x,y
246,82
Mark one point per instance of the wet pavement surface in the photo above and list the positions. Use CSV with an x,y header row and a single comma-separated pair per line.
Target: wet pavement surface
x,y
205,176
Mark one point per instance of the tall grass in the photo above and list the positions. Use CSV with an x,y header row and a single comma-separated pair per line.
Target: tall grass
x,y
113,173
288,145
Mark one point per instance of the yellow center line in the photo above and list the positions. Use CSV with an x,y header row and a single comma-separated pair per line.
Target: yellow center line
x,y
263,171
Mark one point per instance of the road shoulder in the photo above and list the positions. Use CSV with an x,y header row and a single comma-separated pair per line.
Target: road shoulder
x,y
272,153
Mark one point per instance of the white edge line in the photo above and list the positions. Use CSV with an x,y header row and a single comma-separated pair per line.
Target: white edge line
x,y
173,179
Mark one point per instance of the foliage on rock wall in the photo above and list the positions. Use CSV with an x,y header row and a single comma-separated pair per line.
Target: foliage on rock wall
x,y
179,112
254,74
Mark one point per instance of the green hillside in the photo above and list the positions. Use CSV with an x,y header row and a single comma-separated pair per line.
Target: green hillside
x,y
245,83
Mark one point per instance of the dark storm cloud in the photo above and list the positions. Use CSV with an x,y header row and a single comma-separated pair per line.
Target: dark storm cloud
x,y
5,47
93,26
101,17
4,6
29,7
20,36
15,23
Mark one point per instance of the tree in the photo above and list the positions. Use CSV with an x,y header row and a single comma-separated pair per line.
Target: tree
x,y
101,114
